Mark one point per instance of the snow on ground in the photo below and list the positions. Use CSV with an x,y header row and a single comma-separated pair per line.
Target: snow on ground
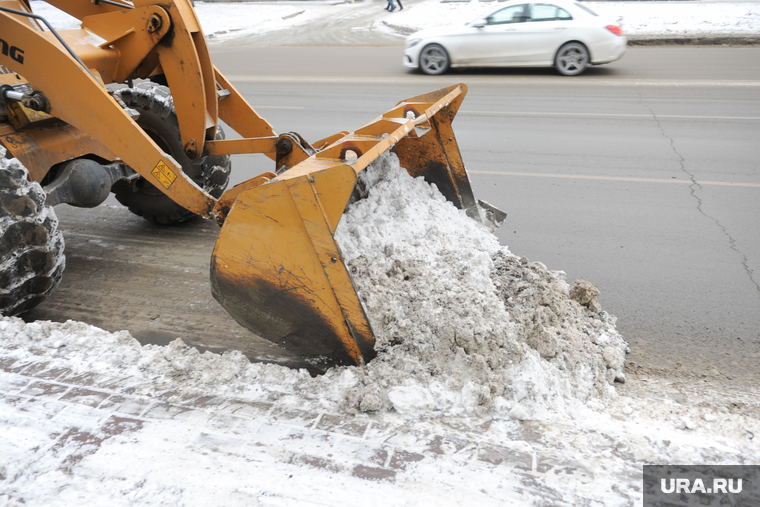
x,y
639,18
494,384
239,20
666,19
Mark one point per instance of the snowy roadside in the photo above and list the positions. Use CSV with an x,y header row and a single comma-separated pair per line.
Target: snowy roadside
x,y
496,382
365,22
115,439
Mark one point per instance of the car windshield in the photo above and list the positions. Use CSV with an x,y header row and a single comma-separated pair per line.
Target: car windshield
x,y
586,9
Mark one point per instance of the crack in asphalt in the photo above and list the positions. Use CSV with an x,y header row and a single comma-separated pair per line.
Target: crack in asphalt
x,y
693,187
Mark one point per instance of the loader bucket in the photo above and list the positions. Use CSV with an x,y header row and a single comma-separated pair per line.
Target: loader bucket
x,y
276,267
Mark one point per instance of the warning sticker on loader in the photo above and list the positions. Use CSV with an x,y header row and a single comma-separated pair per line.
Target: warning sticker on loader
x,y
163,174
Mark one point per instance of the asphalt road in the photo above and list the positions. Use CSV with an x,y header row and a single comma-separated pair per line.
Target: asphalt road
x,y
642,177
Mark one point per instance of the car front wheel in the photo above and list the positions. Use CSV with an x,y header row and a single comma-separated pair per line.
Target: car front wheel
x,y
434,60
571,59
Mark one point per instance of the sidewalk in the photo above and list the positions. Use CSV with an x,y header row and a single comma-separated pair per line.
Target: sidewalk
x,y
92,439
85,440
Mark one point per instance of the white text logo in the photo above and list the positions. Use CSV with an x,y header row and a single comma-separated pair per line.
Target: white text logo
x,y
698,486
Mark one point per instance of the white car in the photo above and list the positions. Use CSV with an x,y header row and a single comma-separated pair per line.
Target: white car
x,y
564,34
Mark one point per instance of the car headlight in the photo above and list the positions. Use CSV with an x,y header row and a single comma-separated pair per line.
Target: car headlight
x,y
412,42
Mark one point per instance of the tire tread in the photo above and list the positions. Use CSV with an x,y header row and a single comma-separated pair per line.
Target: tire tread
x,y
31,246
212,174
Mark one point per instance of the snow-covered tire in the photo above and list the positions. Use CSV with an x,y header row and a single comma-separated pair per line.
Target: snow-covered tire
x,y
159,120
31,246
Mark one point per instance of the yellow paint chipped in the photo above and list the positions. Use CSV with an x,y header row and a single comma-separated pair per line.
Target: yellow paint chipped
x,y
163,174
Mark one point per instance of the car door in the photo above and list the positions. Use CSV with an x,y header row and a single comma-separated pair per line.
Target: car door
x,y
546,29
496,39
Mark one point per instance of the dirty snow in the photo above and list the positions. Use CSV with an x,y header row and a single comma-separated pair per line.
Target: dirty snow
x,y
494,382
222,21
463,326
89,446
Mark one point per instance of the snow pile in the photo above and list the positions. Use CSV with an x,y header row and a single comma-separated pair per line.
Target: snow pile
x,y
239,19
151,369
463,326
681,19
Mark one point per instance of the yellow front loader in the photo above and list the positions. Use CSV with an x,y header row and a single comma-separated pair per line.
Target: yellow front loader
x,y
131,103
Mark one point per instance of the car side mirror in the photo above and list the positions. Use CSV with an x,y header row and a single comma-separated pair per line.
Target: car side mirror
x,y
480,23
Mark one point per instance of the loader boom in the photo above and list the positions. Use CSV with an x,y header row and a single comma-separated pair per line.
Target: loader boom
x,y
276,267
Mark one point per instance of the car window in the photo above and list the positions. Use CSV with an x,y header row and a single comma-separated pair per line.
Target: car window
x,y
512,14
547,12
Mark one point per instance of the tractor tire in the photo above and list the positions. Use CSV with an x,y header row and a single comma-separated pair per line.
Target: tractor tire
x,y
31,246
159,120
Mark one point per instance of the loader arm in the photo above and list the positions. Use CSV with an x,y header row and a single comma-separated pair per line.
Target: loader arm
x,y
187,66
114,44
276,267
82,101
81,10
184,59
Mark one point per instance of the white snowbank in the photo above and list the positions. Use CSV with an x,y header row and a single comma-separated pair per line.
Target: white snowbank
x,y
228,21
638,18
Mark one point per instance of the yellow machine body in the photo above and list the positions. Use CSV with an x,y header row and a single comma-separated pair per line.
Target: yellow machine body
x,y
276,267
